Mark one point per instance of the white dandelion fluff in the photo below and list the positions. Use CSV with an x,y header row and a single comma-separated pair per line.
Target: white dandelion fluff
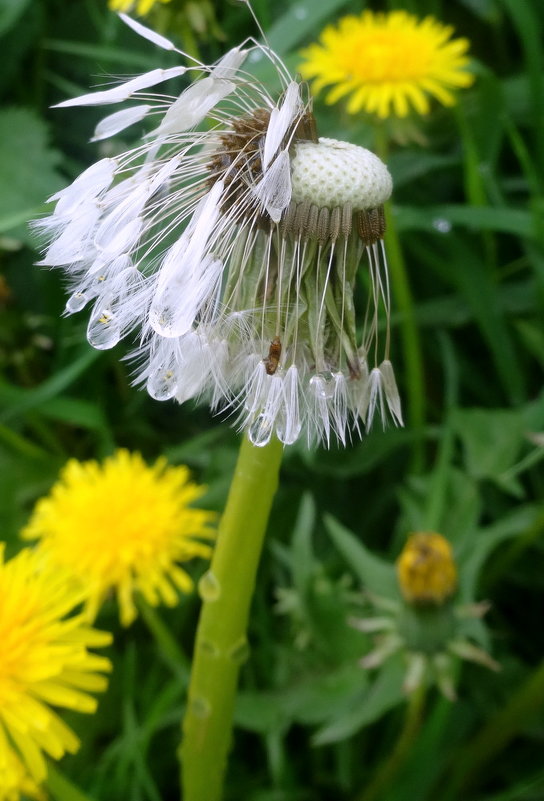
x,y
229,240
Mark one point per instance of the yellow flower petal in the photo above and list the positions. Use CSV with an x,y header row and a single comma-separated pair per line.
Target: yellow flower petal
x,y
388,63
44,661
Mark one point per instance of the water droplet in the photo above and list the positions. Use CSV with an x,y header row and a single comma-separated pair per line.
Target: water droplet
x,y
209,648
441,225
323,384
239,651
260,431
162,384
209,588
76,302
201,707
300,12
103,332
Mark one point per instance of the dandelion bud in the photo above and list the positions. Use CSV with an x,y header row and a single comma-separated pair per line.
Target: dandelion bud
x,y
426,569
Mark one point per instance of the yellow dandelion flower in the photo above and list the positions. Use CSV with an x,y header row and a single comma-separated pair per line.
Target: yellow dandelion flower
x,y
123,526
426,569
16,782
388,63
44,662
141,7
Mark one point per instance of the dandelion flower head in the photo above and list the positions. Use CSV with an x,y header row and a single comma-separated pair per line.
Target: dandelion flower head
x,y
123,526
427,627
141,7
426,568
230,239
44,663
388,64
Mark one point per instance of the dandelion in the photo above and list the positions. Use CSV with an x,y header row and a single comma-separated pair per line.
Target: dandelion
x,y
426,569
123,526
428,629
141,7
16,782
230,238
388,64
44,662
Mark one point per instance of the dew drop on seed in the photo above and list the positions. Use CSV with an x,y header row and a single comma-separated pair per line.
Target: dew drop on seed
x,y
441,225
201,707
260,431
103,332
239,651
162,384
209,588
76,302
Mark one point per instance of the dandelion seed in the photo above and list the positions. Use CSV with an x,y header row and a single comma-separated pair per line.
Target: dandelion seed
x,y
231,226
388,64
123,527
44,663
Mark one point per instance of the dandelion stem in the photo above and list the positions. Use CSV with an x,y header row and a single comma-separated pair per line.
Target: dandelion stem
x,y
411,342
221,644
389,768
61,789
168,645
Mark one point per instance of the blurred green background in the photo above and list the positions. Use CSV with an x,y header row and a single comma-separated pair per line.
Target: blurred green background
x,y
468,204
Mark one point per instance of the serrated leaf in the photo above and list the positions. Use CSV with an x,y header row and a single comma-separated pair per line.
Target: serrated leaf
x,y
383,694
28,170
376,575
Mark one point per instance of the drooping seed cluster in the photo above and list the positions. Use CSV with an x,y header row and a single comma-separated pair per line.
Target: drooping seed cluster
x,y
230,238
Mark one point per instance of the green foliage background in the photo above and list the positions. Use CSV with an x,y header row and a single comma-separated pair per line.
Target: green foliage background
x,y
311,725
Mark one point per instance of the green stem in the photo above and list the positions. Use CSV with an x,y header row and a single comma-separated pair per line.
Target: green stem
x,y
61,789
221,645
168,645
389,768
411,342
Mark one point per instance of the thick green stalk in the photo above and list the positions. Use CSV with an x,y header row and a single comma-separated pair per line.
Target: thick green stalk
x,y
221,644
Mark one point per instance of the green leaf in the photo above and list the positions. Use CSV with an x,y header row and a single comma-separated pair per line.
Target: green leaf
x,y
492,441
476,218
375,574
383,694
484,542
10,11
28,171
300,19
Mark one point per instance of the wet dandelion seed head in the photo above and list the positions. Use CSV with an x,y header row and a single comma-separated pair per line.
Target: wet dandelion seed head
x,y
229,238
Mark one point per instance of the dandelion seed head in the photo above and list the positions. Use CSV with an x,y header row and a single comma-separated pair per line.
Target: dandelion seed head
x,y
228,239
330,173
